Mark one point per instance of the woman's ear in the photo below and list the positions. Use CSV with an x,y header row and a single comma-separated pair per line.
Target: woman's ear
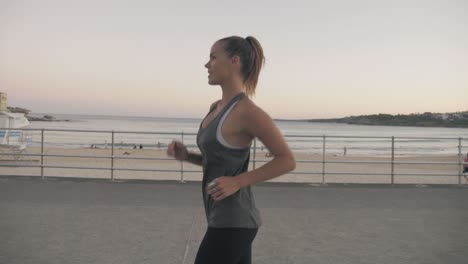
x,y
235,60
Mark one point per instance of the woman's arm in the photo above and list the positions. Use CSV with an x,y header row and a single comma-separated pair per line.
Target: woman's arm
x,y
194,158
258,125
179,151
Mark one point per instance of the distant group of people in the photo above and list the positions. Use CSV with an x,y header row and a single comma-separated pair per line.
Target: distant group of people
x,y
158,145
465,167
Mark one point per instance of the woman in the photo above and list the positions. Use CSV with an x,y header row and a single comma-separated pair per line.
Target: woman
x,y
224,138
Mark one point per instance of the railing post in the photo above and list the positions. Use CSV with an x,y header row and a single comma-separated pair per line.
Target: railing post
x,y
392,180
112,155
460,161
42,154
182,162
323,161
254,152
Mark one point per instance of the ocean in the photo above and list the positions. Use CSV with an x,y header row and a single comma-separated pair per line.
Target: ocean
x,y
301,136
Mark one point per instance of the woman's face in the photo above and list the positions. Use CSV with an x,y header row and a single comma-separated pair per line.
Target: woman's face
x,y
219,66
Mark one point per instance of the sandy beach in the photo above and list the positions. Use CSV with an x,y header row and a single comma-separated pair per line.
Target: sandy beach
x,y
309,166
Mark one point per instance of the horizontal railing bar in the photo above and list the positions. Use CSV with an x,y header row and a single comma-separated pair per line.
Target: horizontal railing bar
x,y
155,133
192,171
72,177
374,162
77,177
426,163
90,168
341,173
153,170
357,162
304,173
87,156
103,131
194,134
72,167
377,174
396,162
425,174
18,154
105,157
321,136
327,161
57,155
142,158
75,156
22,165
297,161
128,169
425,138
21,175
372,137
95,168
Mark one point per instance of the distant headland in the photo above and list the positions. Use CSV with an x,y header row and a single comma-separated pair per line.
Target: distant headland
x,y
427,119
26,112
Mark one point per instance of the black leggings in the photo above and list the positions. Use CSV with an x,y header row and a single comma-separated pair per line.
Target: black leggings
x,y
226,246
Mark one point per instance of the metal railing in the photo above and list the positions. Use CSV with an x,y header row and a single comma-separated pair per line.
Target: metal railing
x,y
323,155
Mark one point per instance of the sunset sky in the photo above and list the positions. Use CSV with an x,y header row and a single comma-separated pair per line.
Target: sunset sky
x,y
329,58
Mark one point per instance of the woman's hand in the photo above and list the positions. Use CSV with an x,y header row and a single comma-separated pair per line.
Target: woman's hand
x,y
177,150
223,187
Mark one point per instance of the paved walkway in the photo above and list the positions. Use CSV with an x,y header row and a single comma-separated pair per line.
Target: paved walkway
x,y
90,221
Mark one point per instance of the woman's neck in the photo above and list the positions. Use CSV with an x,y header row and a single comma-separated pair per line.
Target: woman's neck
x,y
230,90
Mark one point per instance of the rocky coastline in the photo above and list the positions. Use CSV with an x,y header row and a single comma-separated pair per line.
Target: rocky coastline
x,y
428,119
46,118
32,117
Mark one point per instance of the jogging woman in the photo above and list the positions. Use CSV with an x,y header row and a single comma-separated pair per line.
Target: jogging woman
x,y
224,139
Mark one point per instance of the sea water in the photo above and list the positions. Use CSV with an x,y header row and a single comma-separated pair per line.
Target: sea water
x,y
302,136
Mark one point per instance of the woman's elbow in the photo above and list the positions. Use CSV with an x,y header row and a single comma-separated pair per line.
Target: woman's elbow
x,y
290,163
285,162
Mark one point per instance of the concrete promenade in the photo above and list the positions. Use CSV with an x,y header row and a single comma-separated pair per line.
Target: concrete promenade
x,y
94,221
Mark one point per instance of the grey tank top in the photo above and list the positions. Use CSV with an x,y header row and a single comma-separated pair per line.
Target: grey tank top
x,y
237,210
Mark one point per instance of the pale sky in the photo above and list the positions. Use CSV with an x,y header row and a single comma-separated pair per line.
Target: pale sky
x,y
324,58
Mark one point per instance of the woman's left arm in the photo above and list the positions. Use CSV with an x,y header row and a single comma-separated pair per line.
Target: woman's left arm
x,y
258,124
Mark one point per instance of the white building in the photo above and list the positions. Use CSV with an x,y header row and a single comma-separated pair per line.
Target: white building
x,y
11,121
3,102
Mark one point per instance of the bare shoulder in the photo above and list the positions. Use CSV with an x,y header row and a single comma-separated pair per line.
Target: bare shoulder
x,y
213,105
252,111
254,117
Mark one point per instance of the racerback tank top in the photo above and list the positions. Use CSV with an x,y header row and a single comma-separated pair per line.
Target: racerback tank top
x,y
218,159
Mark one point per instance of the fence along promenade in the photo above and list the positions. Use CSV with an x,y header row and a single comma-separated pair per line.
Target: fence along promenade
x,y
324,159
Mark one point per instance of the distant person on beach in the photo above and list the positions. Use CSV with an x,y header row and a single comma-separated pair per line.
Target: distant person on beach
x,y
224,138
465,167
344,151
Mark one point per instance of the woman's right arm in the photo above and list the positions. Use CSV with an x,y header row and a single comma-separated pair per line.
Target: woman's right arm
x,y
179,151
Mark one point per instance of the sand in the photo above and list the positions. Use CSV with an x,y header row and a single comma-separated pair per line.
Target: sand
x,y
309,167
